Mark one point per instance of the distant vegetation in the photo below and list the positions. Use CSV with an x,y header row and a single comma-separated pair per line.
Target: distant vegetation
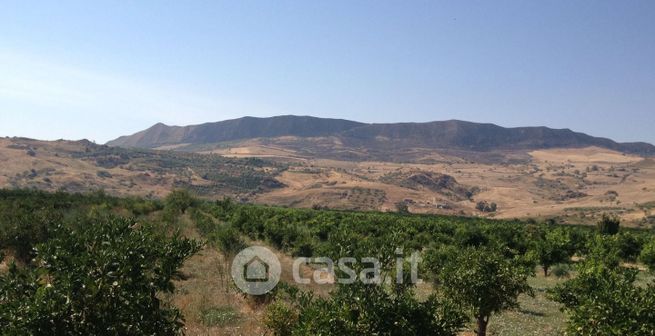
x,y
82,166
225,174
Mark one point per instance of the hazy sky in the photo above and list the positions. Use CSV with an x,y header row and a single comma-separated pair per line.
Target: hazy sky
x,y
97,70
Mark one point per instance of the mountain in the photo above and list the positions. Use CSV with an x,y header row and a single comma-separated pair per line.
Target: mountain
x,y
235,129
448,135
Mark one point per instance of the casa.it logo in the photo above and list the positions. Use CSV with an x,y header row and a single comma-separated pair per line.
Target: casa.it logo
x,y
256,270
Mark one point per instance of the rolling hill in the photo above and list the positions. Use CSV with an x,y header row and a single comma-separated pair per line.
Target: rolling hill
x,y
445,167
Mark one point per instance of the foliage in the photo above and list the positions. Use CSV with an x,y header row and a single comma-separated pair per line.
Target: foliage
x,y
604,300
101,279
485,206
360,309
604,248
402,208
280,318
227,240
552,247
178,201
609,224
466,257
222,174
26,216
629,245
562,270
647,255
485,281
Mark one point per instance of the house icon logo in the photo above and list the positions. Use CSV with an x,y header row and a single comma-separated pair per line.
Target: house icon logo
x,y
256,270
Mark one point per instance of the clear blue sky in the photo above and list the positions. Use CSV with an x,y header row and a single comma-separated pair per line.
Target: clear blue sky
x,y
97,70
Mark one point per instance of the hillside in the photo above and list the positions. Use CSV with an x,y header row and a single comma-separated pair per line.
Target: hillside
x,y
374,138
366,167
81,166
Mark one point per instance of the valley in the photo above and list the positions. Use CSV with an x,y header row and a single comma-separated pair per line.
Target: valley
x,y
570,185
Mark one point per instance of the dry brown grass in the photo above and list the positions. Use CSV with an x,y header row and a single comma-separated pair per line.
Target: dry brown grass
x,y
535,187
516,188
208,287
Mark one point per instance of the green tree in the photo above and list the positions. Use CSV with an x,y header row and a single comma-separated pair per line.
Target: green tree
x,y
609,224
103,279
178,201
228,240
553,247
485,281
176,204
603,299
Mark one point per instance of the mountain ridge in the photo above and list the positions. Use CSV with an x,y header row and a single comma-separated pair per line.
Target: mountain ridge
x,y
449,134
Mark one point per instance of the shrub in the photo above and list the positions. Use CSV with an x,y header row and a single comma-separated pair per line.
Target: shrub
x,y
178,201
101,279
647,255
402,208
103,174
561,271
604,300
227,239
484,206
629,246
360,309
280,318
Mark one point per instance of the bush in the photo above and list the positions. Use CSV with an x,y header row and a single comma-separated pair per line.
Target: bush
x,y
484,206
227,239
280,319
402,208
176,204
561,271
360,309
101,279
604,300
647,256
178,201
103,174
629,246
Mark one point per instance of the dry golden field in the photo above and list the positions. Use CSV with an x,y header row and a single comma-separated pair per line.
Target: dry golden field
x,y
572,185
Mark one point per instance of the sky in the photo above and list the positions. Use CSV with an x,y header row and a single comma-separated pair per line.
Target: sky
x,y
102,69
